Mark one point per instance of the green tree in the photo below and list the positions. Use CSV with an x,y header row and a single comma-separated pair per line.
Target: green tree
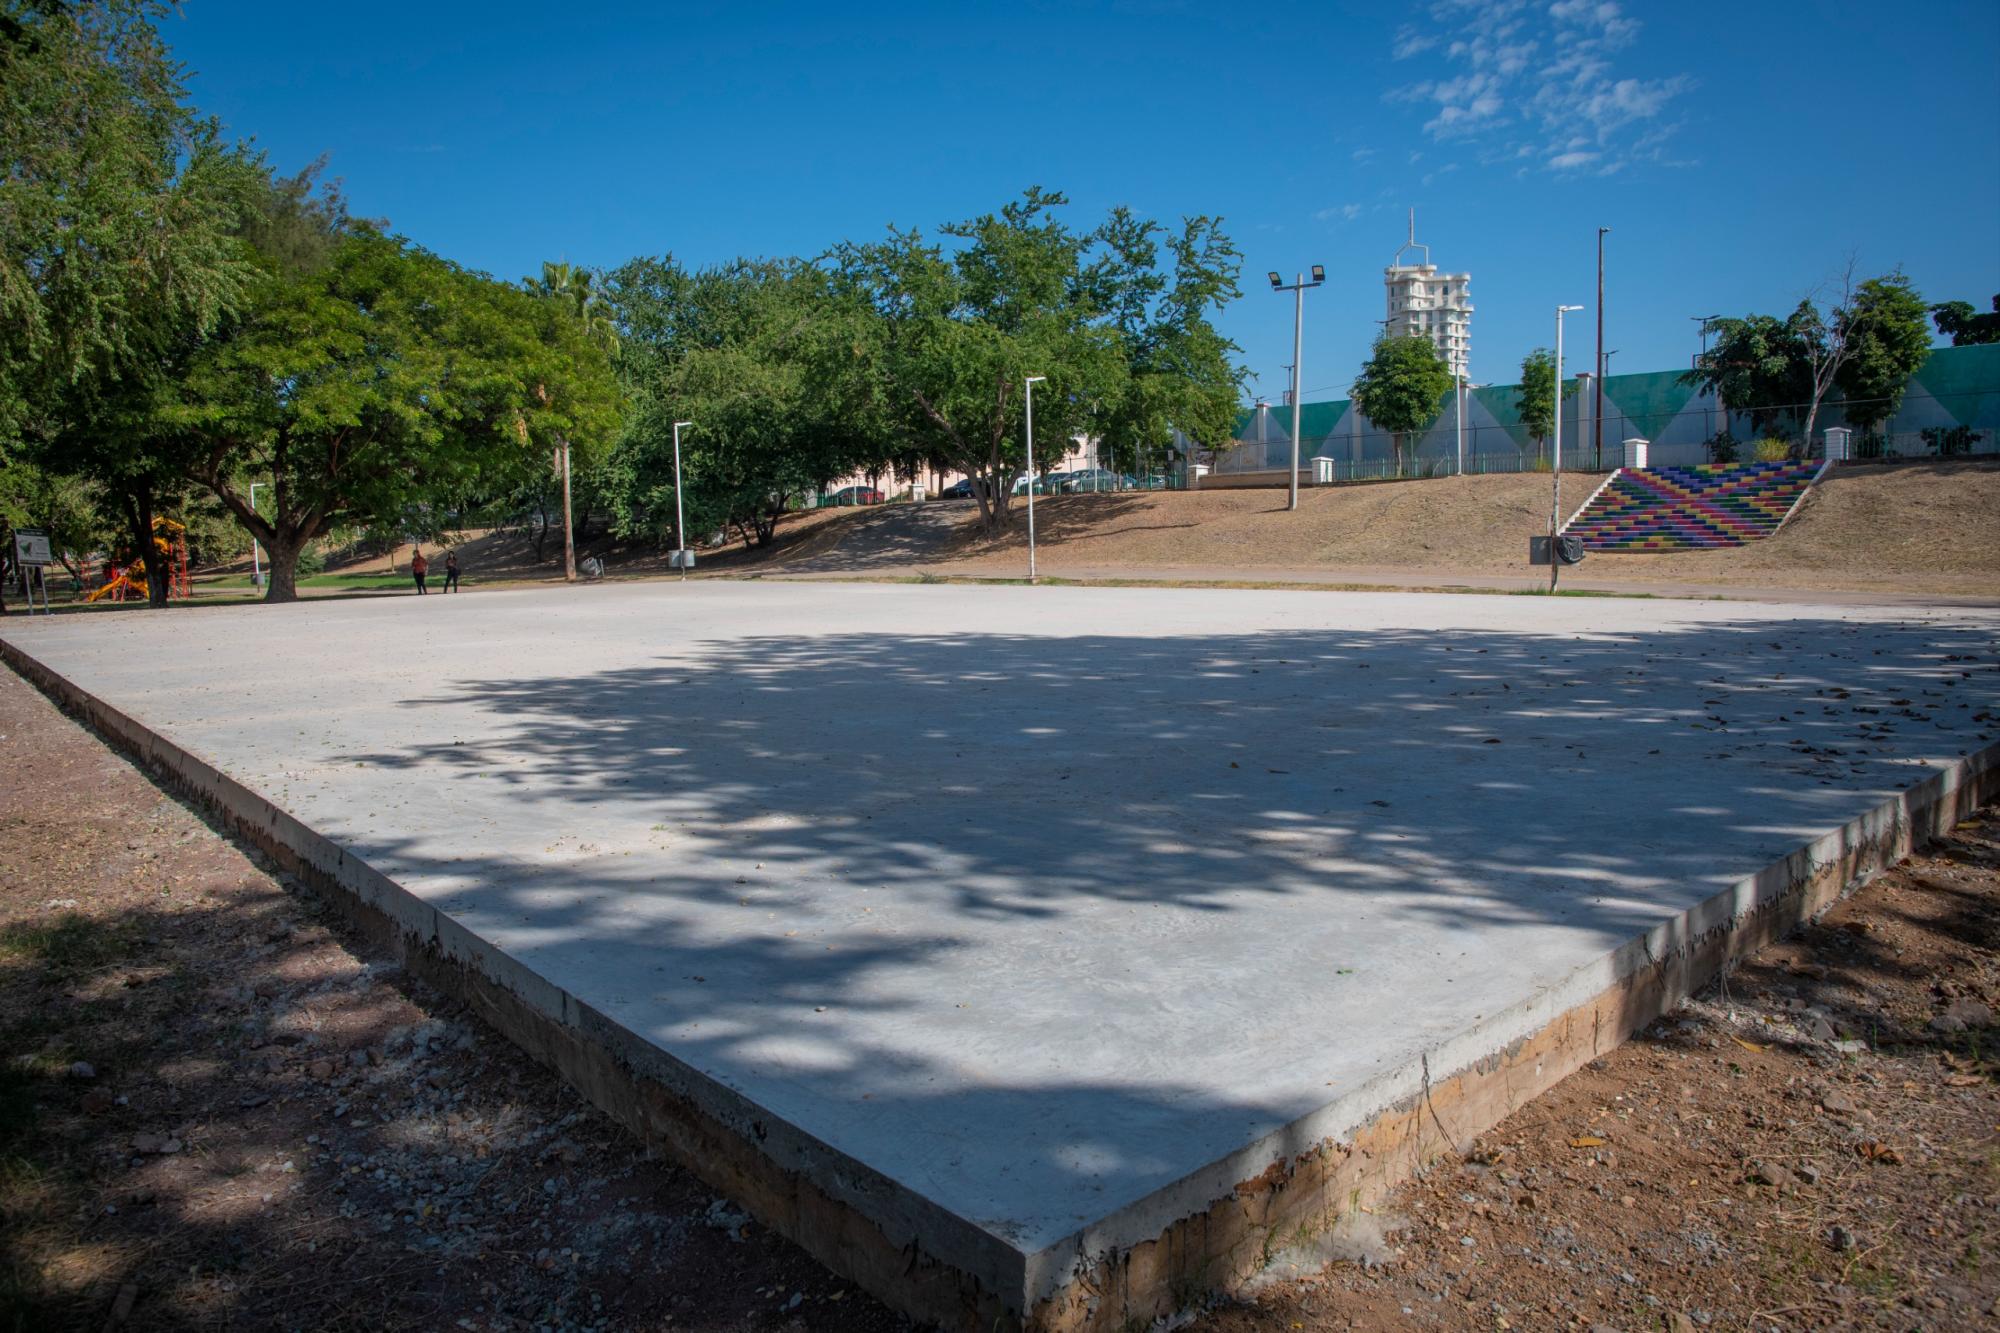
x,y
385,378
945,337
1536,398
573,291
1889,341
1757,364
66,506
1781,371
118,212
1401,387
757,355
1965,326
1179,374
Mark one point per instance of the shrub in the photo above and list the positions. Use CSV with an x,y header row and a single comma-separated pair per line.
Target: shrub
x,y
1722,447
1771,450
1947,441
311,561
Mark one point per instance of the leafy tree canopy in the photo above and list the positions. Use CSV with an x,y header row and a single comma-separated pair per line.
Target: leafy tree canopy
x,y
117,208
945,334
1402,386
1888,342
384,378
1965,326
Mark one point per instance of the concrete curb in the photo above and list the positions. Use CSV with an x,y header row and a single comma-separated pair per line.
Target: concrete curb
x,y
1207,1231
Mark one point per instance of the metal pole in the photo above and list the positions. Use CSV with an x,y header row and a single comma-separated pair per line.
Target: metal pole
x,y
1597,410
1032,381
1298,339
1555,501
1459,414
680,514
256,562
569,537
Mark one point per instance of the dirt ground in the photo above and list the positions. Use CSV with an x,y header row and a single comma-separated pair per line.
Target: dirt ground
x,y
1927,528
218,1110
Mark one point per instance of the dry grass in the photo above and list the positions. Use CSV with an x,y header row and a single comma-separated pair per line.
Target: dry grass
x,y
1916,528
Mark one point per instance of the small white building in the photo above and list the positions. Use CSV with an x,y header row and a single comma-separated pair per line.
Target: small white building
x,y
1429,304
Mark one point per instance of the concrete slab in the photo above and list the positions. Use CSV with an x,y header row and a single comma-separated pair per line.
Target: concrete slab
x,y
1027,923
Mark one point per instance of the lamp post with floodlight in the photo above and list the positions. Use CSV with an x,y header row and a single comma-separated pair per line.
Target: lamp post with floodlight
x,y
1298,289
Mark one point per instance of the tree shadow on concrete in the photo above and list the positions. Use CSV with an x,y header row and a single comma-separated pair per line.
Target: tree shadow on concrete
x,y
1037,924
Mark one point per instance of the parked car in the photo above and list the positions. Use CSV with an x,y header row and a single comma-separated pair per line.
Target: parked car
x,y
958,490
855,495
1046,484
1096,479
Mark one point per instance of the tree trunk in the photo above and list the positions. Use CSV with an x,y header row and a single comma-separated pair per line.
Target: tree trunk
x,y
139,513
281,573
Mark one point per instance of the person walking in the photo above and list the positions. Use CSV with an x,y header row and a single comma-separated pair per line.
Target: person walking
x,y
451,571
419,567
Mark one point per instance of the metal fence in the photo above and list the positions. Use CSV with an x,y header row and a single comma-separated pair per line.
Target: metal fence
x,y
1697,431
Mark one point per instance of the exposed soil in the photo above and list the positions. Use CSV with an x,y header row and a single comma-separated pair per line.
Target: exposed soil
x,y
217,1110
1925,528
1815,1144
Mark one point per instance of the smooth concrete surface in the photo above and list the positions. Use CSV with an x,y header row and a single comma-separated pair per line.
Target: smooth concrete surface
x,y
1056,906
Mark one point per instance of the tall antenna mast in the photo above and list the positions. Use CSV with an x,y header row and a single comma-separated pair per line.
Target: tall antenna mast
x,y
1411,244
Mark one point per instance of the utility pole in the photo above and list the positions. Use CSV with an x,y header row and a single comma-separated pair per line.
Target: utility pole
x,y
1597,411
1704,321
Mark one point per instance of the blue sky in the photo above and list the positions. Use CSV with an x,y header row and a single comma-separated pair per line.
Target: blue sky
x,y
1740,152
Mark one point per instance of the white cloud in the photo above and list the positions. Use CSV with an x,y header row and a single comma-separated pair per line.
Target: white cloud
x,y
1545,83
1410,42
1362,154
1344,213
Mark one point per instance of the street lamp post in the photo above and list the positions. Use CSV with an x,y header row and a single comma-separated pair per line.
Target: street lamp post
x,y
1556,499
1597,410
1298,289
1032,381
256,562
680,512
1459,424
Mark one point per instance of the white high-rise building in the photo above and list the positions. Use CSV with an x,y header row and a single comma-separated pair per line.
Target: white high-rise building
x,y
1430,304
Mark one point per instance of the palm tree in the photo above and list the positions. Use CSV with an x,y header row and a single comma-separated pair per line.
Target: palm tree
x,y
575,288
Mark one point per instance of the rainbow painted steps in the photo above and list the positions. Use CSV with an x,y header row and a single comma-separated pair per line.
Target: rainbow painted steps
x,y
1692,508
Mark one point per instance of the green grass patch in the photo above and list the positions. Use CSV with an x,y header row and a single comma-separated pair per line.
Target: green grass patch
x,y
351,582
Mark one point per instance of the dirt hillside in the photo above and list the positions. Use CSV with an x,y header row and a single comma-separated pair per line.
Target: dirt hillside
x,y
1925,528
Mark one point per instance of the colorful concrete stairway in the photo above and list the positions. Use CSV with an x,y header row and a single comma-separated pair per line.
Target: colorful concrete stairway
x,y
1692,508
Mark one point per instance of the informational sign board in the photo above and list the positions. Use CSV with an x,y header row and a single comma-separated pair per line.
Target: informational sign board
x,y
31,547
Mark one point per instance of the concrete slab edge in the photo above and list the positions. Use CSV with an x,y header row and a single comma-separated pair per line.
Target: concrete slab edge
x,y
1216,1227
914,1255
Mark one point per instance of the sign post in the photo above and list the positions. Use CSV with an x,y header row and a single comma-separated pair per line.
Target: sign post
x,y
32,556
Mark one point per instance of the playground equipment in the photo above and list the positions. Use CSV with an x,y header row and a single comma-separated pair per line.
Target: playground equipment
x,y
170,539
